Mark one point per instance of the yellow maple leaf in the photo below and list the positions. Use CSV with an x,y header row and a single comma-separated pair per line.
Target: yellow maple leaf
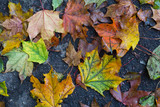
x,y
129,34
45,22
52,92
99,74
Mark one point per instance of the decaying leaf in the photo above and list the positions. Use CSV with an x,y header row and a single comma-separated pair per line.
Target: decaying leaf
x,y
124,8
75,16
143,15
14,24
37,51
56,3
96,15
2,104
99,2
156,17
84,46
3,89
93,104
99,74
45,22
131,97
129,34
153,64
72,57
17,60
52,92
146,1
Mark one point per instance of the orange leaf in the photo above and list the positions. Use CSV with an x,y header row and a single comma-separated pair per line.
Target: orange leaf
x,y
52,92
74,17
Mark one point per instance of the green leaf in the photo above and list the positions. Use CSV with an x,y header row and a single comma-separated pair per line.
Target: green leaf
x,y
147,101
99,74
156,4
1,65
153,64
37,51
146,1
3,89
56,3
0,30
18,61
99,2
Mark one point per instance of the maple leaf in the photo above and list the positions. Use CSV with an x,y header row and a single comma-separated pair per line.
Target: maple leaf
x,y
45,22
3,89
75,16
109,39
156,17
99,74
72,57
129,34
153,64
2,104
84,46
52,92
37,51
93,104
124,8
131,97
56,3
99,2
143,15
12,42
14,24
96,15
18,61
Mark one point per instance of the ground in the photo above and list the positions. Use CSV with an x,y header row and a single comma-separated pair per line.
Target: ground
x,y
19,94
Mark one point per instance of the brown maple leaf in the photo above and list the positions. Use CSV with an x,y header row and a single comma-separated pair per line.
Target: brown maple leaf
x,y
124,8
75,16
156,17
84,46
72,57
14,24
143,15
131,97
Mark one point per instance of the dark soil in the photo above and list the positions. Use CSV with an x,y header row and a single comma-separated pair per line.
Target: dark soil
x,y
19,94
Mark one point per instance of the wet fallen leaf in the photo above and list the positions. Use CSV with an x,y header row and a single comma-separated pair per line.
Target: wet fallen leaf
x,y
84,46
75,16
17,61
146,1
131,97
124,8
129,34
56,3
45,22
158,102
72,57
99,74
52,92
79,82
37,51
99,2
14,24
96,15
131,75
3,89
153,65
1,65
156,17
143,15
109,39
